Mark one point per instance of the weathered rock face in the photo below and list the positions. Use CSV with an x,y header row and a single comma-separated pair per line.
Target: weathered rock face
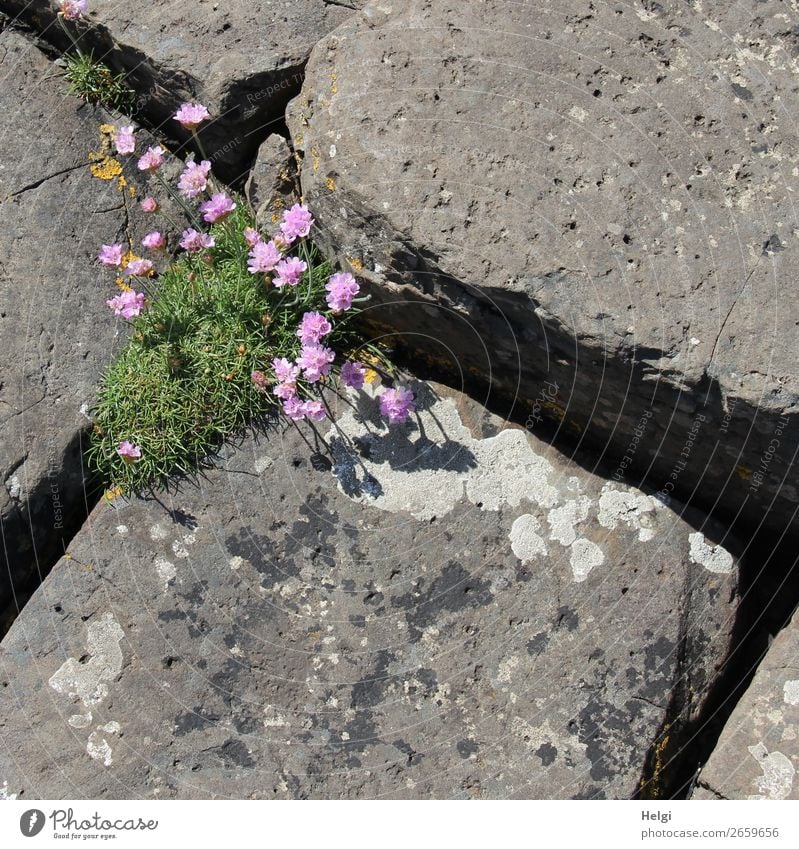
x,y
757,756
595,196
60,199
458,612
243,59
273,183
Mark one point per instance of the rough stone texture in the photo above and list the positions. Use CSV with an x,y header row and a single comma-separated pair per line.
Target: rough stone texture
x,y
272,185
757,755
243,59
459,612
595,195
56,333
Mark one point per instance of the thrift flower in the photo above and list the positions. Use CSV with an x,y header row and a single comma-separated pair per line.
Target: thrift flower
x,y
289,272
285,370
129,452
313,327
397,404
149,204
219,207
314,410
286,391
153,159
251,237
193,241
191,115
111,255
124,140
297,222
129,304
194,179
260,380
154,241
263,258
315,361
353,375
294,409
139,268
71,10
341,288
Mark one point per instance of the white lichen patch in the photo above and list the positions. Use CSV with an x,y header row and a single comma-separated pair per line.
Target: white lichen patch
x,y
790,692
98,747
625,506
778,773
585,556
526,541
505,669
80,720
122,529
713,557
236,563
157,532
89,681
165,570
5,796
262,464
563,520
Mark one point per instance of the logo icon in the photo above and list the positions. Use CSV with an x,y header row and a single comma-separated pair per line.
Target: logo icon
x,y
31,822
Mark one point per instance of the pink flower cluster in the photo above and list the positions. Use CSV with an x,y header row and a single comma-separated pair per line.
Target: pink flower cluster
x,y
129,452
193,240
218,208
194,179
128,304
71,10
191,115
341,289
397,404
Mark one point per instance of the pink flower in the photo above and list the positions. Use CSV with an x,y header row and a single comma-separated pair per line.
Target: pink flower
x,y
353,375
219,207
194,179
111,255
124,140
191,115
313,327
263,258
289,272
128,304
285,370
153,159
297,222
129,452
285,391
154,241
397,404
341,288
294,408
260,380
252,237
71,10
139,268
149,204
314,410
315,361
194,241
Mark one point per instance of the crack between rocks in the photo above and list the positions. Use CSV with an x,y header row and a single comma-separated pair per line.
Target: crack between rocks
x,y
705,786
341,5
729,312
37,183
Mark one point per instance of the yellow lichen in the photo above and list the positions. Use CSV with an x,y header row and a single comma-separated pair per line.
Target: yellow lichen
x,y
106,168
111,494
334,82
316,159
331,184
355,263
743,472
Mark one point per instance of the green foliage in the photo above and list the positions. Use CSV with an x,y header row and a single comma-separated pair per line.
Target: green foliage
x,y
95,83
183,383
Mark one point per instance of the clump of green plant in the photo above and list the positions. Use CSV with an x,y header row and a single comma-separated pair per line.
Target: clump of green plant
x,y
95,83
238,327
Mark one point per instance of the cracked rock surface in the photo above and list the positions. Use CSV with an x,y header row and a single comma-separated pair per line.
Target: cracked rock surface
x,y
451,610
594,196
757,756
242,58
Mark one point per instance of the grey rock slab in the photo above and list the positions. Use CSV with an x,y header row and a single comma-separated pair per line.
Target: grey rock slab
x,y
243,59
757,755
596,197
272,184
56,333
450,610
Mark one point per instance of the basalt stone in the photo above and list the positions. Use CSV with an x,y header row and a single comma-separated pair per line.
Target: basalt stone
x,y
272,185
242,59
62,195
596,198
444,609
757,755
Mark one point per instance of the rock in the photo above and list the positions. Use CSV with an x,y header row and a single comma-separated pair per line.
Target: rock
x,y
272,185
446,609
757,756
61,196
596,198
242,59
